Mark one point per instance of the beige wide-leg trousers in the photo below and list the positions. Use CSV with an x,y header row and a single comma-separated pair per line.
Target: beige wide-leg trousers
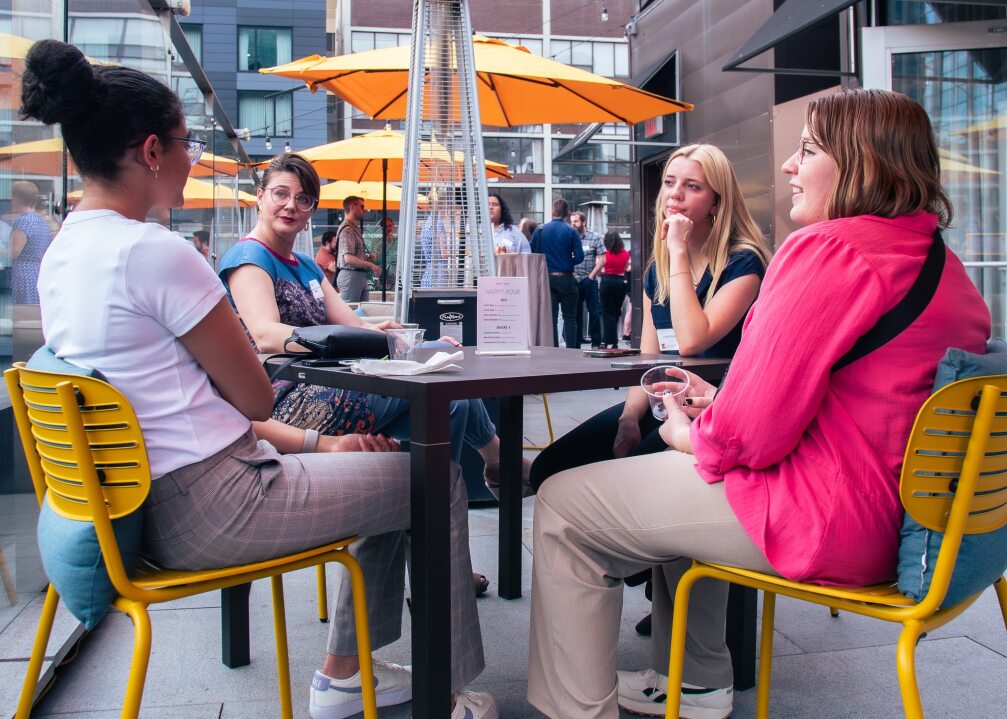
x,y
595,525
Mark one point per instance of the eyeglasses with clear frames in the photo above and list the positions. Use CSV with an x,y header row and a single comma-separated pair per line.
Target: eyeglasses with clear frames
x,y
802,151
193,147
302,201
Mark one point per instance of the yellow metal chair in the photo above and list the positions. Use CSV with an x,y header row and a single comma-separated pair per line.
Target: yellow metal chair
x,y
88,460
953,481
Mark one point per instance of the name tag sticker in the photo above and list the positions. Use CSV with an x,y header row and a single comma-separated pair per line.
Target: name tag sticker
x,y
666,340
316,289
586,247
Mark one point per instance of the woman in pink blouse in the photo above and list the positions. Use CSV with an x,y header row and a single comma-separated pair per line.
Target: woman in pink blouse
x,y
794,468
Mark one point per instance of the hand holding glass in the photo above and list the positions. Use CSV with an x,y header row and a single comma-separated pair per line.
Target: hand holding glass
x,y
664,384
404,343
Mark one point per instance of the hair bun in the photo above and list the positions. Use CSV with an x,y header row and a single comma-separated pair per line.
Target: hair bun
x,y
59,84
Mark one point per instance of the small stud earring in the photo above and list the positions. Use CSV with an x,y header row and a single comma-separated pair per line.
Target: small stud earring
x,y
154,169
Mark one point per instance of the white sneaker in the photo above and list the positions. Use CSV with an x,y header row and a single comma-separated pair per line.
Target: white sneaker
x,y
645,692
341,698
475,705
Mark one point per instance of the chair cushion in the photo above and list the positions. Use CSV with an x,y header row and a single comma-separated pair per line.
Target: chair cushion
x,y
982,557
69,548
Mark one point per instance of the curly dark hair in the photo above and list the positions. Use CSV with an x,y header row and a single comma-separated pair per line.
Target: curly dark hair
x,y
102,111
505,217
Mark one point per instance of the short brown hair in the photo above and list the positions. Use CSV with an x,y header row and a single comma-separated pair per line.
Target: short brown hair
x,y
884,148
25,192
298,166
349,201
560,208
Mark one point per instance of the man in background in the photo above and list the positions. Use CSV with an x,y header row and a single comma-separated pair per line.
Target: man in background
x,y
561,246
201,241
586,276
326,257
351,280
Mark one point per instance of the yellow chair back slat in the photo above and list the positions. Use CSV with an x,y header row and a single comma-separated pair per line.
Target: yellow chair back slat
x,y
115,450
936,457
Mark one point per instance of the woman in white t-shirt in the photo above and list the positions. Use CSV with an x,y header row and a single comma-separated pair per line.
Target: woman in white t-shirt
x,y
150,314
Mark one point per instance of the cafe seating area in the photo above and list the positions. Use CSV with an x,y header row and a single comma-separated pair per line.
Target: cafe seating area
x,y
823,666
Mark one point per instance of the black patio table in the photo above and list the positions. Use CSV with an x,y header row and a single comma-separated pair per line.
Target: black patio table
x,y
508,378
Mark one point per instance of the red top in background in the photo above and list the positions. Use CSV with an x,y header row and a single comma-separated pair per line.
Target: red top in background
x,y
615,263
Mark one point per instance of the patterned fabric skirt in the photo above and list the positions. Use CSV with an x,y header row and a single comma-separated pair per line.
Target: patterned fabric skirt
x,y
329,410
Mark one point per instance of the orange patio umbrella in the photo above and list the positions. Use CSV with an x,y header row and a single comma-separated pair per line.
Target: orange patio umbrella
x,y
515,87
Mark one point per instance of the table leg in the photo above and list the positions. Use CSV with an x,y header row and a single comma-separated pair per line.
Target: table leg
x,y
511,430
429,471
741,634
234,650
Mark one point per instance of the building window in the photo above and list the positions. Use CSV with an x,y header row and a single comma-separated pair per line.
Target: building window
x,y
266,113
594,162
361,41
260,47
610,59
194,36
523,155
522,201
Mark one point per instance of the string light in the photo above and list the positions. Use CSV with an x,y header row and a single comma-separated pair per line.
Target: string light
x,y
286,146
269,143
604,13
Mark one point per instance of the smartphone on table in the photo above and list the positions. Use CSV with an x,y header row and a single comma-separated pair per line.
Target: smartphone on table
x,y
646,363
616,352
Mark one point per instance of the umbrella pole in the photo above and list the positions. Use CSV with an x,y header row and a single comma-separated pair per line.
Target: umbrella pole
x,y
384,230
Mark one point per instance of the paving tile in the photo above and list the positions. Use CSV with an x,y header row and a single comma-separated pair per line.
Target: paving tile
x,y
11,677
151,711
19,634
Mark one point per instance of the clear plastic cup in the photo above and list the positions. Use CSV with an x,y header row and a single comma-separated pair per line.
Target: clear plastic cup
x,y
403,344
659,393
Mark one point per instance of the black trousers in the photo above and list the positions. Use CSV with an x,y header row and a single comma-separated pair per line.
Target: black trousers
x,y
613,292
587,293
591,441
563,292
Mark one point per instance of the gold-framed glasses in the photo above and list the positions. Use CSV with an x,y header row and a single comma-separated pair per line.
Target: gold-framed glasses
x,y
802,151
302,201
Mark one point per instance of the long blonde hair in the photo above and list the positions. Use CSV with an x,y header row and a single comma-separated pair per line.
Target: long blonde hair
x,y
733,227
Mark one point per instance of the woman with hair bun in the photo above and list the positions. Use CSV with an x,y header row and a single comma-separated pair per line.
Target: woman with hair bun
x,y
151,315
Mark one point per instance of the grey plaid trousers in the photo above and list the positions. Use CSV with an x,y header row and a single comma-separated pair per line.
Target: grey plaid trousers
x,y
248,503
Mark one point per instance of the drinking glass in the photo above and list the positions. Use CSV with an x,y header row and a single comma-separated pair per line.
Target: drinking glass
x,y
403,344
664,384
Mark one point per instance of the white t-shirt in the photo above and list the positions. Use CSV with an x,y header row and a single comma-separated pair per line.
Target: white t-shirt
x,y
116,295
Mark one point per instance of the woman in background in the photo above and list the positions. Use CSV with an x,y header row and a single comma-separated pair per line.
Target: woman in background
x,y
613,287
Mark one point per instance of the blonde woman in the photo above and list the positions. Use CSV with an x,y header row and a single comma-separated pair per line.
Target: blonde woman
x,y
704,273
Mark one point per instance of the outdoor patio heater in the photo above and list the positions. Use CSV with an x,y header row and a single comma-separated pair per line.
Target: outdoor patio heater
x,y
446,243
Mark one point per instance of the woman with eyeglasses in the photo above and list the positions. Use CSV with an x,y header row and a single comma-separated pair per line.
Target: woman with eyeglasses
x,y
151,316
793,467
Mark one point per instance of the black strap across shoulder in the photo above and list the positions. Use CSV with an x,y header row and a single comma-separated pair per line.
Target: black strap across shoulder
x,y
899,317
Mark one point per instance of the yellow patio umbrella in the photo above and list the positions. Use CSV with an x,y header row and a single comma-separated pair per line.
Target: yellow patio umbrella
x,y
200,195
994,124
334,193
956,162
38,157
515,86
210,164
17,47
361,158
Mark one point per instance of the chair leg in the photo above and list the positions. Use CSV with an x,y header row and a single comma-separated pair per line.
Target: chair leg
x,y
765,654
676,661
323,596
1000,586
834,611
141,656
37,653
363,635
906,666
282,656
548,424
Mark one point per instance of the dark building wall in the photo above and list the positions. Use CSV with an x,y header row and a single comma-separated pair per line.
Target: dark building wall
x,y
221,19
733,109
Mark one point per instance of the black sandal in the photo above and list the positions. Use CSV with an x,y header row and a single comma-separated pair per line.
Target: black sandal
x,y
480,582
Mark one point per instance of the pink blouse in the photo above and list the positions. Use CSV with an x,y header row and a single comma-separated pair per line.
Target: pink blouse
x,y
811,459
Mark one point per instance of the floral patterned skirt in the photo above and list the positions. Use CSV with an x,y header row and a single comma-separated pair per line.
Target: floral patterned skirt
x,y
329,410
